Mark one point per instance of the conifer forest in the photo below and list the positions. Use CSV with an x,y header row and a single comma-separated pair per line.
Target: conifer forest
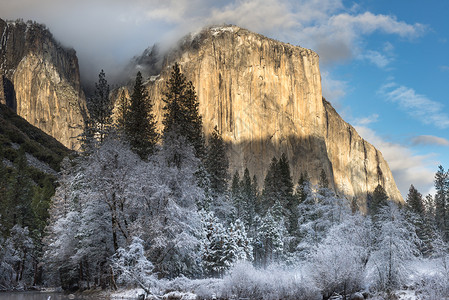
x,y
159,211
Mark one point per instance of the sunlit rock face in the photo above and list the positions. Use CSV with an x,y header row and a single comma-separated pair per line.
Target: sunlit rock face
x,y
265,97
40,80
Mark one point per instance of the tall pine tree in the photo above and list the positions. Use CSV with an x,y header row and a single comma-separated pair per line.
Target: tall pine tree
x,y
378,200
140,124
217,163
99,119
181,115
441,201
415,201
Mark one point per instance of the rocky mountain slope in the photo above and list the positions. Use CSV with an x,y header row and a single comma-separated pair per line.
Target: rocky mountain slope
x,y
265,97
40,80
44,153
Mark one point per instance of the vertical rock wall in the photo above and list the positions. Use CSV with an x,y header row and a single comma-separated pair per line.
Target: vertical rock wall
x,y
265,97
41,80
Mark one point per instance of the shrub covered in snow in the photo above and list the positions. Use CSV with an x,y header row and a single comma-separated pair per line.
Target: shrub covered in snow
x,y
245,281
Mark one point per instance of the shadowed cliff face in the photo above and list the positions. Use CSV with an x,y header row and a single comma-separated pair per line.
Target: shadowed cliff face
x,y
265,97
41,80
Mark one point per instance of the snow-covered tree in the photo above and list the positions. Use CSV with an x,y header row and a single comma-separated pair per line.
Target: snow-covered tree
x,y
213,245
337,265
16,258
320,211
441,201
132,268
240,243
222,247
395,247
271,239
168,218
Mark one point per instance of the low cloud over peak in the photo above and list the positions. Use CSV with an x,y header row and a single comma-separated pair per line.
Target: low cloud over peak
x,y
107,33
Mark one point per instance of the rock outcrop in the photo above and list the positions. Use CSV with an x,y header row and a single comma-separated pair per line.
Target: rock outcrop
x,y
40,80
265,97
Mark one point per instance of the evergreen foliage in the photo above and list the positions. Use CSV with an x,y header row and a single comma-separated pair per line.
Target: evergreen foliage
x,y
323,181
140,123
378,199
303,187
415,201
217,163
181,115
98,122
441,201
278,184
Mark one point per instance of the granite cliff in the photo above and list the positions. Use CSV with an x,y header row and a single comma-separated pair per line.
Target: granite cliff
x,y
40,80
265,97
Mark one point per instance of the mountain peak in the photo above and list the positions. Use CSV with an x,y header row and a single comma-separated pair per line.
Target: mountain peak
x,y
265,98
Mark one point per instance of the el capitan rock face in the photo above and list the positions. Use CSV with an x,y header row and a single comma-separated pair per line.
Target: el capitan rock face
x,y
265,97
40,80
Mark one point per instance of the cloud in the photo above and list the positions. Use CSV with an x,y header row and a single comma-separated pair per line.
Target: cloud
x,y
367,120
417,106
376,58
333,89
429,140
339,36
407,167
444,68
107,33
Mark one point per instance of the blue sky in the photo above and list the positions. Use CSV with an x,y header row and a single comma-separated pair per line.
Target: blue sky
x,y
384,64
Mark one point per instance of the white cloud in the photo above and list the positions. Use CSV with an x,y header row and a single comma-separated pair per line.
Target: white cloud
x,y
418,106
339,36
444,68
376,58
366,120
429,140
407,167
333,89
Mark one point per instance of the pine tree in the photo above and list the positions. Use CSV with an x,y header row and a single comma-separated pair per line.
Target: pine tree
x,y
237,197
217,163
278,185
271,235
441,201
249,199
19,194
99,121
271,191
181,115
415,201
301,188
41,203
379,199
286,187
323,182
140,125
213,245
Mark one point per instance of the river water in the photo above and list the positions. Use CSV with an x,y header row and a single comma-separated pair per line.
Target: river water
x,y
41,296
